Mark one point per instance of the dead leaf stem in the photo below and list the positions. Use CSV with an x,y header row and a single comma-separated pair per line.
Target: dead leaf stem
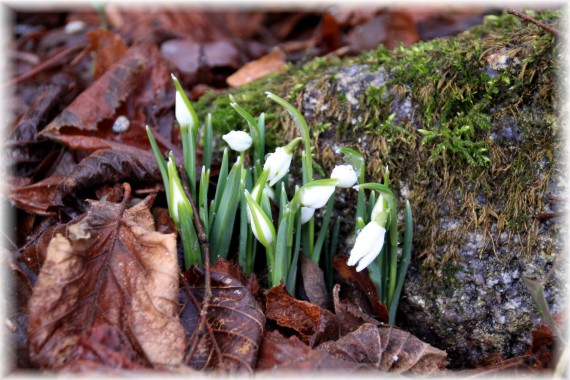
x,y
542,25
49,63
203,240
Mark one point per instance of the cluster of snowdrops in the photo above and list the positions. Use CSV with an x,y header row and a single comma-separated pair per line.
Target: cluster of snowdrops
x,y
254,191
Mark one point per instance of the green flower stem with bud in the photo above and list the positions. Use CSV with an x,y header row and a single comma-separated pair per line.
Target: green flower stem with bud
x,y
182,215
301,123
188,121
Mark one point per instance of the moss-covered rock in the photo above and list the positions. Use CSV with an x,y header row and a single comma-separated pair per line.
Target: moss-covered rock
x,y
469,129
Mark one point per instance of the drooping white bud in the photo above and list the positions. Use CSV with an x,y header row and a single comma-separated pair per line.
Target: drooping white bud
x,y
278,164
368,245
345,175
239,141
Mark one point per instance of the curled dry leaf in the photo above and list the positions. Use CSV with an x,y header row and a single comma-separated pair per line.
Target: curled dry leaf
x,y
38,197
111,268
313,323
234,324
314,282
281,354
110,166
363,283
387,349
349,316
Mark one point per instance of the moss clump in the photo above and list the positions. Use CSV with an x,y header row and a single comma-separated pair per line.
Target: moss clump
x,y
465,92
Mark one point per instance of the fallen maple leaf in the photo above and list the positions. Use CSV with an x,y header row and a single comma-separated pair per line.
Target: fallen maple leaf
x,y
111,268
234,324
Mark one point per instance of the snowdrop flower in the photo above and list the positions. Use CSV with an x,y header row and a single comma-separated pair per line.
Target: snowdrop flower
x,y
368,245
178,198
306,214
239,141
260,224
181,111
278,164
316,195
345,175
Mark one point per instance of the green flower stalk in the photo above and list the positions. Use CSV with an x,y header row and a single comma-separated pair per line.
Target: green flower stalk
x,y
182,215
188,121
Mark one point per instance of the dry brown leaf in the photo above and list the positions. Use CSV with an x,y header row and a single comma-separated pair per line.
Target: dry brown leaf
x,y
280,354
387,349
38,197
235,322
100,100
313,323
273,62
108,48
109,166
365,285
314,282
349,316
112,268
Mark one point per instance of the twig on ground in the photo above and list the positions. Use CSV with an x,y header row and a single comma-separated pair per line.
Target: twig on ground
x,y
552,30
202,327
51,62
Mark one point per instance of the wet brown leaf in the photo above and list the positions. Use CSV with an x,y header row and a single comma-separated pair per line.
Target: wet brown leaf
x,y
104,348
30,258
235,322
281,354
313,323
110,166
112,268
31,156
37,198
100,100
387,349
108,48
363,282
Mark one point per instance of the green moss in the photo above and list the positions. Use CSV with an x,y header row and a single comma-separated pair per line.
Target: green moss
x,y
456,98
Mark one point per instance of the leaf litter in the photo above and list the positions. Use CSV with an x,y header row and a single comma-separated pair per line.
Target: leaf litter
x,y
98,281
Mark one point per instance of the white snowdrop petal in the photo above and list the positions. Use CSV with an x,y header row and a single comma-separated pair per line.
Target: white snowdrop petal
x,y
345,175
239,141
367,246
278,164
316,196
306,214
182,113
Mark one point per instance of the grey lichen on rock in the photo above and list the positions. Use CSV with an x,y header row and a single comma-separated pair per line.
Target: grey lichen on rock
x,y
486,188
